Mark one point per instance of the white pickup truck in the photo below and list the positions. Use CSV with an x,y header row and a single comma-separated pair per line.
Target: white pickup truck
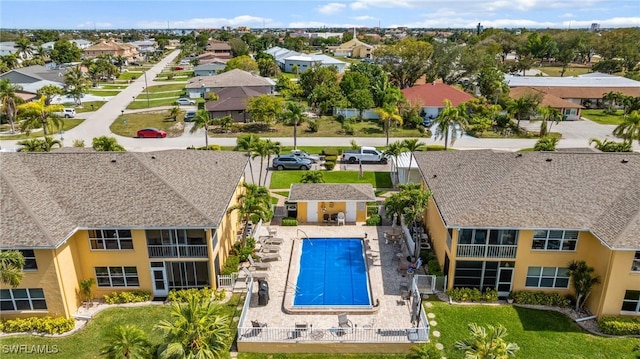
x,y
364,154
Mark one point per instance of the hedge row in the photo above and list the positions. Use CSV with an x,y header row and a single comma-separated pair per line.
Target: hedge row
x,y
183,295
289,222
46,325
135,296
472,295
619,325
540,298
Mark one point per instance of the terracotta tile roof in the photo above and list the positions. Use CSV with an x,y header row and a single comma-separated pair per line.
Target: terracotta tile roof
x,y
547,99
434,94
47,196
582,191
331,192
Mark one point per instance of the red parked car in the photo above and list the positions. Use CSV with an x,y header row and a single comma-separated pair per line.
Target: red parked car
x,y
151,132
178,68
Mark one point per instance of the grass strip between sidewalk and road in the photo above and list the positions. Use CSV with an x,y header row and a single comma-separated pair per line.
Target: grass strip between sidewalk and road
x,y
284,179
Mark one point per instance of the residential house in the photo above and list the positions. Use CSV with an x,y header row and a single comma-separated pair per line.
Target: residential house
x,y
32,78
198,86
112,48
219,48
145,47
320,202
130,221
586,90
211,68
287,60
209,57
354,48
81,43
232,101
569,110
431,97
514,221
8,48
405,173
173,44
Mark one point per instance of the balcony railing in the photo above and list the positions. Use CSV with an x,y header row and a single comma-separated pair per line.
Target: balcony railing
x,y
178,251
486,251
332,335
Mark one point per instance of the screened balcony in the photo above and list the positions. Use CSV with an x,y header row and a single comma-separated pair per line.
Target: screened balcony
x,y
487,243
177,243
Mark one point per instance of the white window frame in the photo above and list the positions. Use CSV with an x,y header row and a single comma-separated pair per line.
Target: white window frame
x,y
125,277
104,239
635,265
636,301
546,239
559,273
29,298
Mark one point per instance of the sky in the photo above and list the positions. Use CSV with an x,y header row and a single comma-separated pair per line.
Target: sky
x,y
180,14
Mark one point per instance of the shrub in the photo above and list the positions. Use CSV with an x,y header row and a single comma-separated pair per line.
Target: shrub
x,y
230,265
619,325
289,222
46,325
330,152
313,125
349,129
243,252
331,158
465,294
183,295
540,298
329,165
210,148
340,118
374,220
490,295
135,296
433,266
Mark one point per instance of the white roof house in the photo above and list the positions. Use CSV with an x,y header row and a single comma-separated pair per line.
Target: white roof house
x,y
574,81
286,59
403,170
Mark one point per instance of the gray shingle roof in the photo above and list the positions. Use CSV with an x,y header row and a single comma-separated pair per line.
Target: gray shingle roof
x,y
588,191
233,78
331,192
46,196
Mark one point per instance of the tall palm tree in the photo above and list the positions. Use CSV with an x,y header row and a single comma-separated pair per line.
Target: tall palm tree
x,y
23,46
395,150
11,263
273,149
612,98
629,129
246,143
76,84
120,60
196,330
448,118
583,279
127,341
260,149
523,106
294,115
202,120
549,116
487,343
9,101
39,114
413,145
255,201
387,115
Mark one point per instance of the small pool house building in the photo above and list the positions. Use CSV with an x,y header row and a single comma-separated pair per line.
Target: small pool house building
x,y
323,202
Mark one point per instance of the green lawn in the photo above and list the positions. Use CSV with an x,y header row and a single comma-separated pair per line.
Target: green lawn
x,y
603,118
169,87
283,179
113,86
86,106
540,334
555,71
68,123
142,103
100,92
157,119
319,356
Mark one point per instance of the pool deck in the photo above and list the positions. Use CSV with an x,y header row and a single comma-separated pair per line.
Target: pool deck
x,y
392,312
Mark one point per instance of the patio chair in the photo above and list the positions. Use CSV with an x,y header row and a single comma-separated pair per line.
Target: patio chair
x,y
268,256
344,322
299,328
255,275
269,249
270,240
258,265
272,231
257,328
340,218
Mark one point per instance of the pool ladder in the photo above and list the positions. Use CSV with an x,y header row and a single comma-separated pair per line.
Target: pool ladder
x,y
298,233
295,287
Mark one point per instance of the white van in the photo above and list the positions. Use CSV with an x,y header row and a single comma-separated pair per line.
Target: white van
x,y
66,113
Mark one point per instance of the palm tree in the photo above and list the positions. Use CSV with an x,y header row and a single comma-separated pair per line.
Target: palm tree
x,y
612,99
86,289
260,149
39,145
395,150
413,145
255,201
196,330
76,84
583,280
387,115
487,343
174,112
294,115
312,177
424,351
23,46
11,263
127,341
246,143
38,113
273,148
450,117
546,144
611,146
202,120
629,129
9,101
120,60
49,91
548,114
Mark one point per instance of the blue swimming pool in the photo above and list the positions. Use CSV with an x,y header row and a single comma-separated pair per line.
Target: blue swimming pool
x,y
332,272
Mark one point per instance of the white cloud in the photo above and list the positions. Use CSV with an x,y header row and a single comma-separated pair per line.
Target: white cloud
x,y
318,24
96,25
364,18
463,22
242,20
331,8
365,4
567,15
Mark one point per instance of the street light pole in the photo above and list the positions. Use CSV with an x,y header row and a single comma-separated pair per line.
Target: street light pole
x,y
146,87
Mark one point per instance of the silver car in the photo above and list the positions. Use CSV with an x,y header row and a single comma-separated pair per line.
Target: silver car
x,y
291,162
304,155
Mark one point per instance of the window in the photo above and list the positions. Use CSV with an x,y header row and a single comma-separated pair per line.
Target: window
x,y
117,276
22,299
29,259
551,240
635,266
631,301
547,277
110,239
495,237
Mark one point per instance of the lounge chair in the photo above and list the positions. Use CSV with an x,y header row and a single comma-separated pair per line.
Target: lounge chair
x,y
272,231
344,322
258,265
341,218
268,256
257,328
270,240
255,275
269,249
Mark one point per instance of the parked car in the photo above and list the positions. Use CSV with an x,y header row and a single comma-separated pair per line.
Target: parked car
x,y
188,117
151,132
291,162
427,122
178,68
66,113
364,154
302,154
185,101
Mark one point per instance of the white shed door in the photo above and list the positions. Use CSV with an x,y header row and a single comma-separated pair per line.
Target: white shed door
x,y
312,211
351,212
